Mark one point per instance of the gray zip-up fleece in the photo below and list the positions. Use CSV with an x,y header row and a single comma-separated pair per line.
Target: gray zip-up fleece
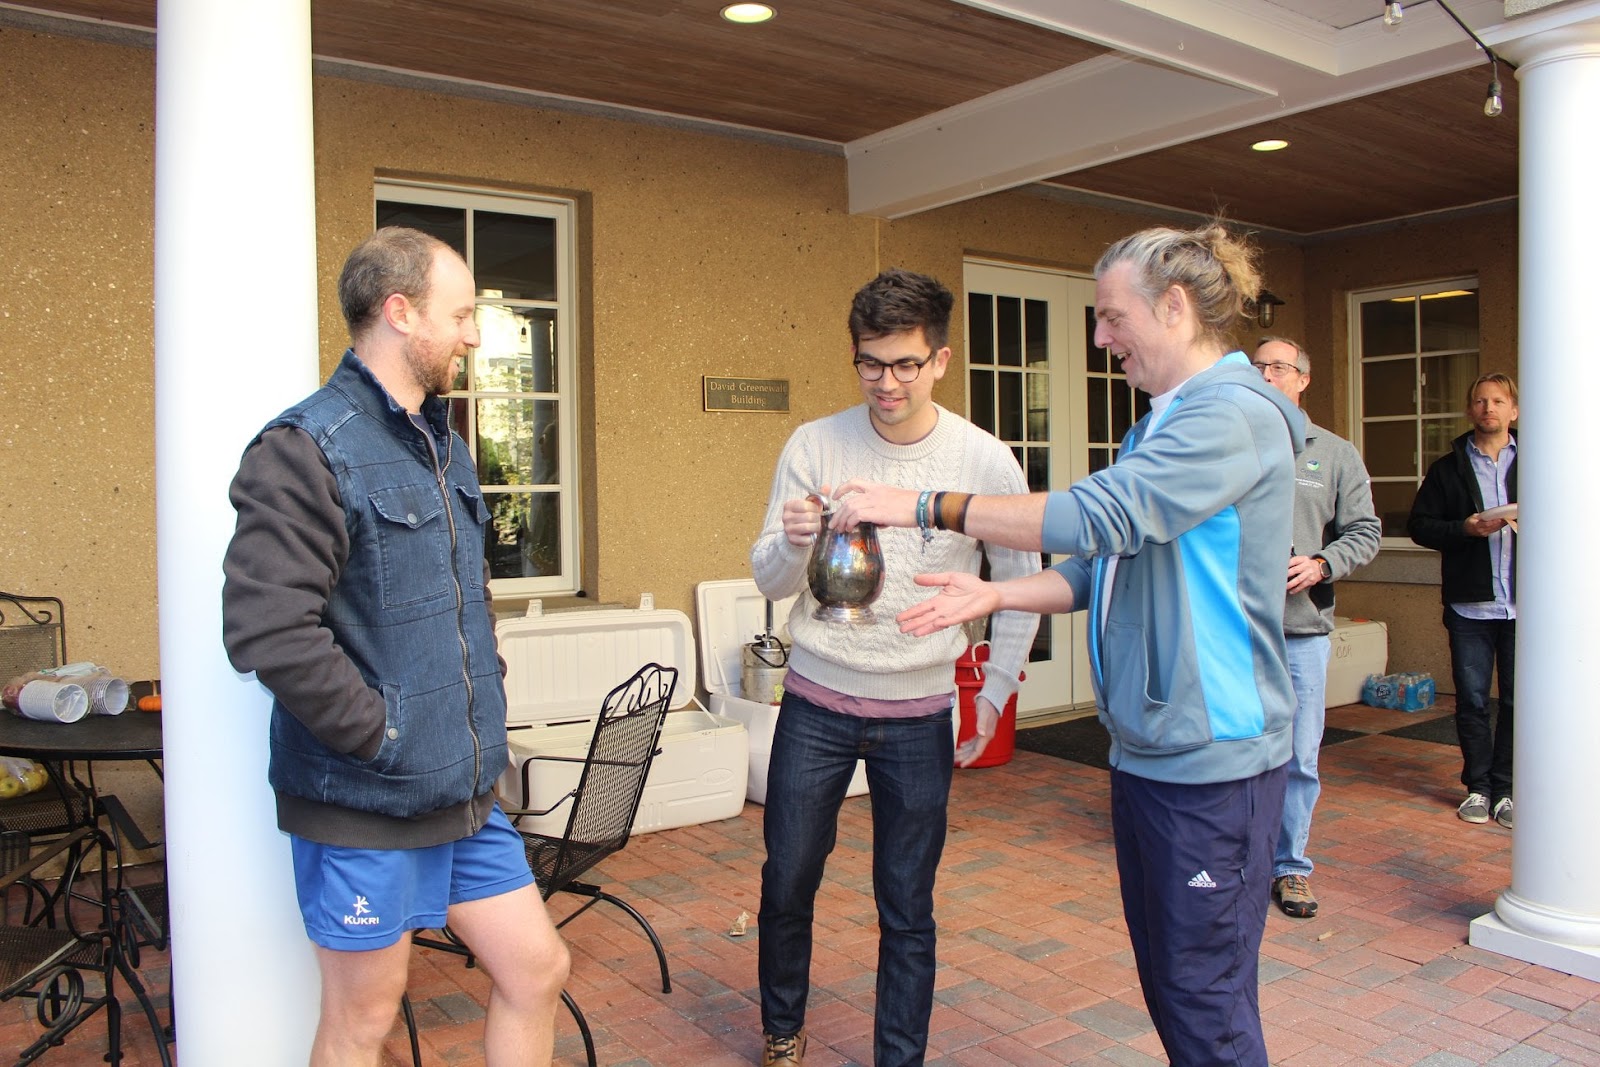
x,y
1189,666
1333,518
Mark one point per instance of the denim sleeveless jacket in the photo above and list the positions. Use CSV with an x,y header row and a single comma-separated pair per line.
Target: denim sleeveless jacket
x,y
408,609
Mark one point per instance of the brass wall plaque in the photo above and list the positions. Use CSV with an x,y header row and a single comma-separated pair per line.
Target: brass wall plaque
x,y
746,394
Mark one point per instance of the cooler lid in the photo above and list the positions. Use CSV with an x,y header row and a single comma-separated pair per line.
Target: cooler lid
x,y
732,614
561,664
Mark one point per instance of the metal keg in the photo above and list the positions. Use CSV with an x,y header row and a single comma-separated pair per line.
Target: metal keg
x,y
764,664
766,661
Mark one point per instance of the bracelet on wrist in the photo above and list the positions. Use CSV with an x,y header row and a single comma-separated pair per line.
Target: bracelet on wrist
x,y
952,512
924,519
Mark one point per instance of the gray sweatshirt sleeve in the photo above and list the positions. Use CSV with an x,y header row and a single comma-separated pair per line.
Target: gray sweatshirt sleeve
x,y
1357,530
288,549
779,568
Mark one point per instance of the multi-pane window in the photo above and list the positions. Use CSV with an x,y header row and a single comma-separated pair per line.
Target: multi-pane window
x,y
514,400
1416,352
1008,390
1113,407
1008,377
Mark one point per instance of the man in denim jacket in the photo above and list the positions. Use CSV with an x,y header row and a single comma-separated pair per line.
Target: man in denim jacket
x,y
355,588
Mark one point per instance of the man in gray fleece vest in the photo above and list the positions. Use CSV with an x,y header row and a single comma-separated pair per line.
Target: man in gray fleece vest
x,y
1335,532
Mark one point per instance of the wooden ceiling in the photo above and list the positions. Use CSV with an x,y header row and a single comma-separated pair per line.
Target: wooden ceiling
x,y
1417,149
834,71
828,69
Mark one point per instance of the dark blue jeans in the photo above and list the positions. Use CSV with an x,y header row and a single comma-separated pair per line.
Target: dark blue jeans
x,y
1477,647
909,766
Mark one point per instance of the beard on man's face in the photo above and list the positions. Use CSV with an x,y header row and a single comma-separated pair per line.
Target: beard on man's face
x,y
430,369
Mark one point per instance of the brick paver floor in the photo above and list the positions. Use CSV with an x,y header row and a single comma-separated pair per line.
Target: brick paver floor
x,y
1035,967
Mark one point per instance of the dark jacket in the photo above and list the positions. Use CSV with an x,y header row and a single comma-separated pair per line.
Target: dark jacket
x,y
1449,494
354,588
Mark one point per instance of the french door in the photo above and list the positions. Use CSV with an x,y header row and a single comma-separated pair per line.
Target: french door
x,y
1031,382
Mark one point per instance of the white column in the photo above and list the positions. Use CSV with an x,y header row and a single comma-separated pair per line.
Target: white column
x,y
1551,913
236,342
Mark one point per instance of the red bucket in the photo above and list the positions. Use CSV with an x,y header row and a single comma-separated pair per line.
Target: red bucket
x,y
969,680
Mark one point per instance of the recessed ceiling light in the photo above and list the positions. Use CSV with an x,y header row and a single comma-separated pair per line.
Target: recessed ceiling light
x,y
1270,145
748,14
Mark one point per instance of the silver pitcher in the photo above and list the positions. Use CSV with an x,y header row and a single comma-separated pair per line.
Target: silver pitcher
x,y
845,573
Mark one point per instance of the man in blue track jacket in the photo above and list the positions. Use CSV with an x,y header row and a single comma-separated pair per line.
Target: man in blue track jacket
x,y
1178,555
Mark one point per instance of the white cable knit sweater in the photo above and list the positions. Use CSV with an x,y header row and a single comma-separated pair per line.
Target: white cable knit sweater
x,y
878,661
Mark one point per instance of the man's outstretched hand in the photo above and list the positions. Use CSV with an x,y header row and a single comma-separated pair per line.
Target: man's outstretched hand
x,y
961,598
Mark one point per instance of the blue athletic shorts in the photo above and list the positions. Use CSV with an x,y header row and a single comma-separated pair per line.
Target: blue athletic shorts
x,y
356,899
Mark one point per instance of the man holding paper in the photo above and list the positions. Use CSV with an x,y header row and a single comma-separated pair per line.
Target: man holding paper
x,y
1465,510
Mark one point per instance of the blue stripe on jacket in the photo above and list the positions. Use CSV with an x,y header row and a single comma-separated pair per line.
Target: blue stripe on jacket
x,y
1224,651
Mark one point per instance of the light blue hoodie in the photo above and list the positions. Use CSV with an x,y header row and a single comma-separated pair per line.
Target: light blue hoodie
x,y
1189,668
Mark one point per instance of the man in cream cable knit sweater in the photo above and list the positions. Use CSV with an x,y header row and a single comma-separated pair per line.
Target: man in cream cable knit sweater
x,y
867,691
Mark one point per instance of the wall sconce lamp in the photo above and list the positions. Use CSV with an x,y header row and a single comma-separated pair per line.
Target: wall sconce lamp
x,y
1267,306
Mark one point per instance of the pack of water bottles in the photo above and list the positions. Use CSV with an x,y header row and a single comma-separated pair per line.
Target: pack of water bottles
x,y
1407,691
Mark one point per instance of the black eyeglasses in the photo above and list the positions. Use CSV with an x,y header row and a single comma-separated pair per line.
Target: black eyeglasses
x,y
905,370
1276,369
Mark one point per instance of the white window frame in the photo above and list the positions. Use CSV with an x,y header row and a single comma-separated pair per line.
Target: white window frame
x,y
563,213
1358,359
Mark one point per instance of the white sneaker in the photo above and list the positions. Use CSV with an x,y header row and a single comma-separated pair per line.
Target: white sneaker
x,y
1502,812
1474,809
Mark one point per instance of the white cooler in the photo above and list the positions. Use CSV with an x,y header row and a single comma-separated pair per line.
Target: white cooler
x,y
561,665
1356,649
733,613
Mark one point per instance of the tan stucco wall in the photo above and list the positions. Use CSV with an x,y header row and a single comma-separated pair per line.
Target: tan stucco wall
x,y
702,255
77,433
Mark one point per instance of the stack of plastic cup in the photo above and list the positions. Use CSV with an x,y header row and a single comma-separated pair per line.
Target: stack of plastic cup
x,y
52,701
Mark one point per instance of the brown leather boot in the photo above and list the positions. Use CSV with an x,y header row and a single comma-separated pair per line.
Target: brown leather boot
x,y
1294,896
784,1051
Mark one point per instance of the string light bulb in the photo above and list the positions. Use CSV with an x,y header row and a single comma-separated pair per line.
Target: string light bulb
x,y
1494,103
1393,13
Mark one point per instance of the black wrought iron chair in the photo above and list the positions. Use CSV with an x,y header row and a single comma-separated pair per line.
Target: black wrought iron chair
x,y
47,954
33,637
33,634
143,897
68,811
141,900
603,804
